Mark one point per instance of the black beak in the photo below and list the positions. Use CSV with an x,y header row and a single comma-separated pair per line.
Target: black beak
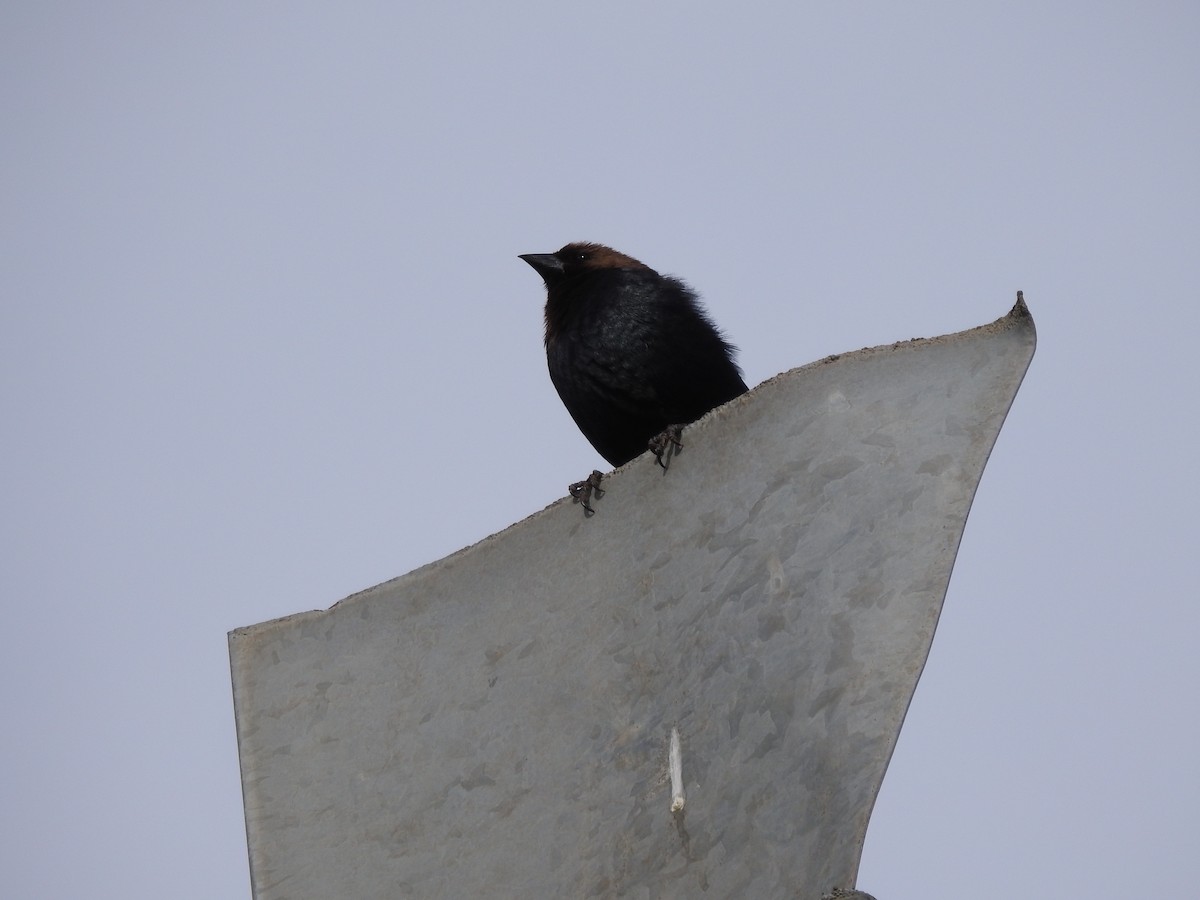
x,y
547,265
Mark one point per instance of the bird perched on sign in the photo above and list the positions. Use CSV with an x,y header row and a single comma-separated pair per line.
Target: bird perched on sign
x,y
632,353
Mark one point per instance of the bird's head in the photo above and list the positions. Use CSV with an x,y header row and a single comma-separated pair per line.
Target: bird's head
x,y
578,259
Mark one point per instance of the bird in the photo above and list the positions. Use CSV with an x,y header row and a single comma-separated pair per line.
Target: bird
x,y
632,353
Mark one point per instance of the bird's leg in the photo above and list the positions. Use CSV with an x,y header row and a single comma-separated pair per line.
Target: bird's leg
x,y
663,443
582,491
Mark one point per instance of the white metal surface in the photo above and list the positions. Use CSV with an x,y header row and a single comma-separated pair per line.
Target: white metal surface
x,y
499,723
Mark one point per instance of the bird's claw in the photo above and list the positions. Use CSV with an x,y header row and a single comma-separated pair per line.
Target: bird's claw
x,y
663,443
842,894
582,491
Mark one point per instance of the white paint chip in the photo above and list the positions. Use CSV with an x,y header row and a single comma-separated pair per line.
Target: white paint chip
x,y
675,764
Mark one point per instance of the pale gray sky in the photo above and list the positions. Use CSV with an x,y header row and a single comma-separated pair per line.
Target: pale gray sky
x,y
265,341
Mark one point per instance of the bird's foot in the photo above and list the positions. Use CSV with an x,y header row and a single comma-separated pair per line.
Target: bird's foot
x,y
667,444
842,894
583,491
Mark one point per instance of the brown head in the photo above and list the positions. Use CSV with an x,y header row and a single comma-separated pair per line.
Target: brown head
x,y
577,259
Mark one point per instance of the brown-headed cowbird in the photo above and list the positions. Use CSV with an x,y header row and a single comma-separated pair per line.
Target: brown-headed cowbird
x,y
632,353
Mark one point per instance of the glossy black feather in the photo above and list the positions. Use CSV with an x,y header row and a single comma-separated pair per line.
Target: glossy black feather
x,y
630,351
